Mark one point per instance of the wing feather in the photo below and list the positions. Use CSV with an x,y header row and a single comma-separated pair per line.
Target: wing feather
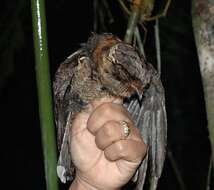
x,y
67,104
150,117
61,84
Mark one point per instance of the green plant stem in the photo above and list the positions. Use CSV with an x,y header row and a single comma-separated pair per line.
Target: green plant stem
x,y
202,20
132,23
124,8
157,45
139,42
209,175
162,14
44,93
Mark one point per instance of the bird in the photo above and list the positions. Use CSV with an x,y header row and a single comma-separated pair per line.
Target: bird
x,y
107,66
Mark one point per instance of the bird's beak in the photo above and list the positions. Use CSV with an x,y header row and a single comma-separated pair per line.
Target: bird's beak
x,y
137,87
140,94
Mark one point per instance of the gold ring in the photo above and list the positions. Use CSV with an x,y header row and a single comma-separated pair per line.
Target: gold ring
x,y
126,129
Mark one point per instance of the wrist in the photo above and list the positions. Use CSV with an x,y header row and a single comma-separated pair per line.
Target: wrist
x,y
80,184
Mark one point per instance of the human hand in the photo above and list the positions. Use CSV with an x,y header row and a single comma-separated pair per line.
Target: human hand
x,y
103,158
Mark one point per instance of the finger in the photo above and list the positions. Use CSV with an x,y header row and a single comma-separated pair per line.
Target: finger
x,y
113,131
130,150
107,112
100,101
81,118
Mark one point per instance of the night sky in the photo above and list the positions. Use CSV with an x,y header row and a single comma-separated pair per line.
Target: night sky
x,y
70,23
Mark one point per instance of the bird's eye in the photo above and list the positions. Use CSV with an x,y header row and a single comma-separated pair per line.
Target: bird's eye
x,y
111,60
81,59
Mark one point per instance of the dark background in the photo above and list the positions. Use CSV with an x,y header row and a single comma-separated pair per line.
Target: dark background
x,y
70,23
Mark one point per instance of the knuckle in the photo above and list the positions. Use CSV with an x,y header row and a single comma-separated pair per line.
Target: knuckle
x,y
98,142
109,129
121,149
106,109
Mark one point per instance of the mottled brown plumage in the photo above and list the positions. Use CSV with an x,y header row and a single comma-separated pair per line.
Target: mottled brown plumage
x,y
106,66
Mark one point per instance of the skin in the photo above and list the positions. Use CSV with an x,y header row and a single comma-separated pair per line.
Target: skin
x,y
103,157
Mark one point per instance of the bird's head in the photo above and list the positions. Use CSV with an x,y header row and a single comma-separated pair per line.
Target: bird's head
x,y
119,66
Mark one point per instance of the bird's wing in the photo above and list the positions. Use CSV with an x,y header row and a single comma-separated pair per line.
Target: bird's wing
x,y
150,118
67,103
61,85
